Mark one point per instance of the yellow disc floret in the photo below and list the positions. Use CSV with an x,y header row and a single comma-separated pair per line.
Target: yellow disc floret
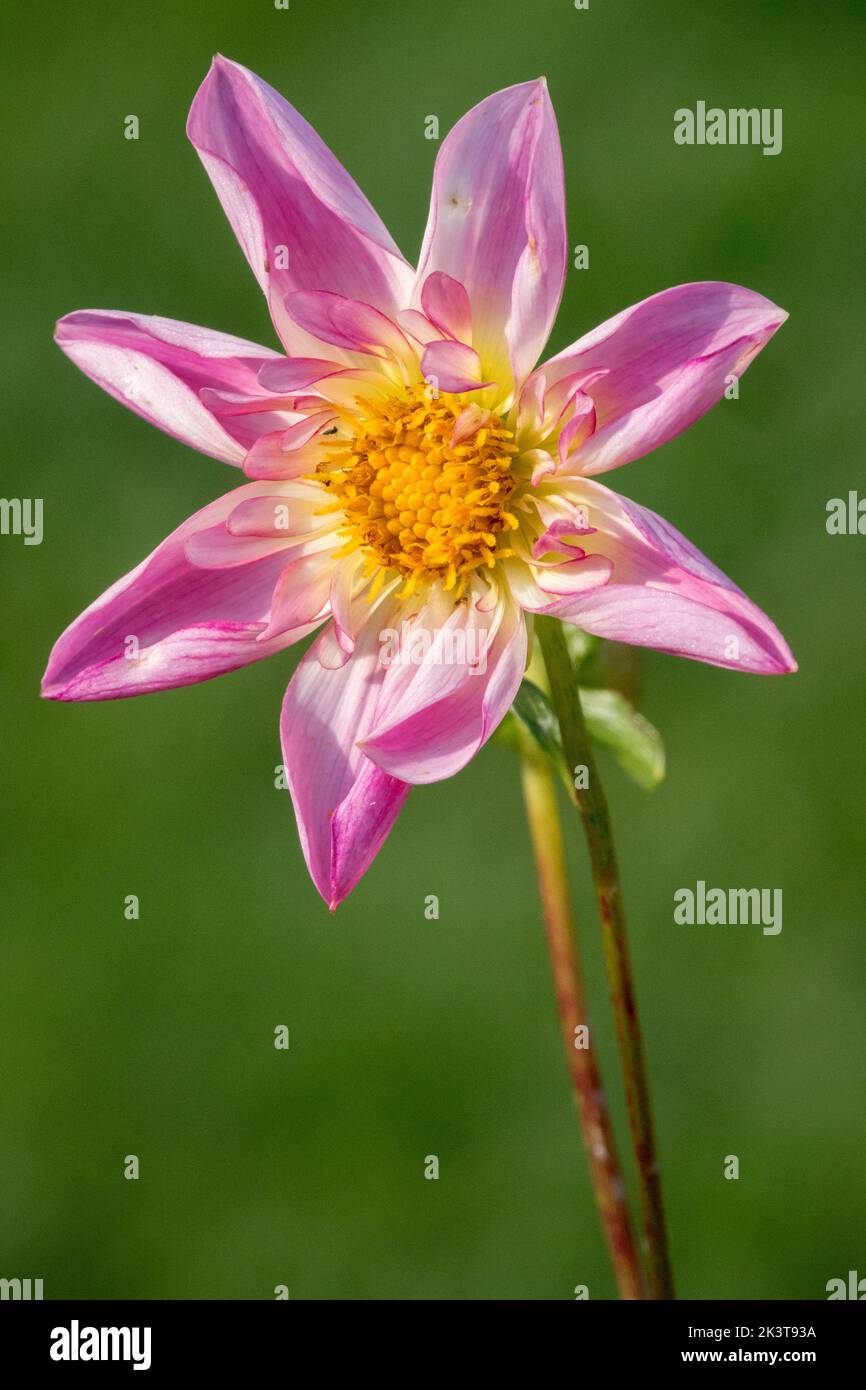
x,y
418,505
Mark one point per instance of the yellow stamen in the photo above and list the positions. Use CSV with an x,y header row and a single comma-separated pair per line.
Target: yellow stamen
x,y
416,505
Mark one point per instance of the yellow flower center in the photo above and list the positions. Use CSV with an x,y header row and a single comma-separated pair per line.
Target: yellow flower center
x,y
417,504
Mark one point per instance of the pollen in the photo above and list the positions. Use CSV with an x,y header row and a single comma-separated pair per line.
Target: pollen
x,y
418,505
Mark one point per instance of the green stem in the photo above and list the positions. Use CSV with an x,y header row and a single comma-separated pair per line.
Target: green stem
x,y
592,803
539,791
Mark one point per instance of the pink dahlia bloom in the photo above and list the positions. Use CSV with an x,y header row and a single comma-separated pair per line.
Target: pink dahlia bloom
x,y
417,488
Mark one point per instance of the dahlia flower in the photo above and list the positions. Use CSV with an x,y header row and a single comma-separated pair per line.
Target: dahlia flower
x,y
417,488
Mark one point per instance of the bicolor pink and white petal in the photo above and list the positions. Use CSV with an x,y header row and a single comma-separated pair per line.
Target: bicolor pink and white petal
x,y
417,486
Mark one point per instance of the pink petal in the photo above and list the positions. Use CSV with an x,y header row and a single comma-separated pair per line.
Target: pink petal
x,y
497,223
346,323
189,623
665,594
291,510
161,369
300,598
667,361
226,404
451,366
541,462
287,375
433,717
575,433
215,548
345,805
289,200
287,516
416,326
446,304
553,538
289,453
349,616
470,420
565,392
568,578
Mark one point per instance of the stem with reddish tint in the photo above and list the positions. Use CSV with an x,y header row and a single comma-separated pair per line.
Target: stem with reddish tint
x,y
592,804
539,792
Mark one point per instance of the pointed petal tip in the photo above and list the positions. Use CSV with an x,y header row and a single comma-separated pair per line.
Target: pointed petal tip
x,y
535,90
786,663
780,660
66,325
50,688
62,692
533,86
218,64
221,64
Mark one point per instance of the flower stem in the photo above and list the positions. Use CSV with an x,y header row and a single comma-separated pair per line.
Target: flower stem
x,y
539,792
592,803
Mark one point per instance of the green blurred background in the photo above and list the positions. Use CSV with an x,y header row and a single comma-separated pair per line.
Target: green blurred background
x,y
410,1037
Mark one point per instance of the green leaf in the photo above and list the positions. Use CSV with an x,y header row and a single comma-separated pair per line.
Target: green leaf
x,y
535,711
612,722
634,741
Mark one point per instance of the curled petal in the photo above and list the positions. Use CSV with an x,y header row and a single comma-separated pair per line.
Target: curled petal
x,y
446,304
688,396
497,224
541,462
302,222
530,412
300,597
578,429
451,366
287,516
443,698
282,515
170,622
470,420
345,805
289,453
417,327
664,593
350,615
668,360
287,375
163,369
346,323
569,578
565,393
215,548
554,536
